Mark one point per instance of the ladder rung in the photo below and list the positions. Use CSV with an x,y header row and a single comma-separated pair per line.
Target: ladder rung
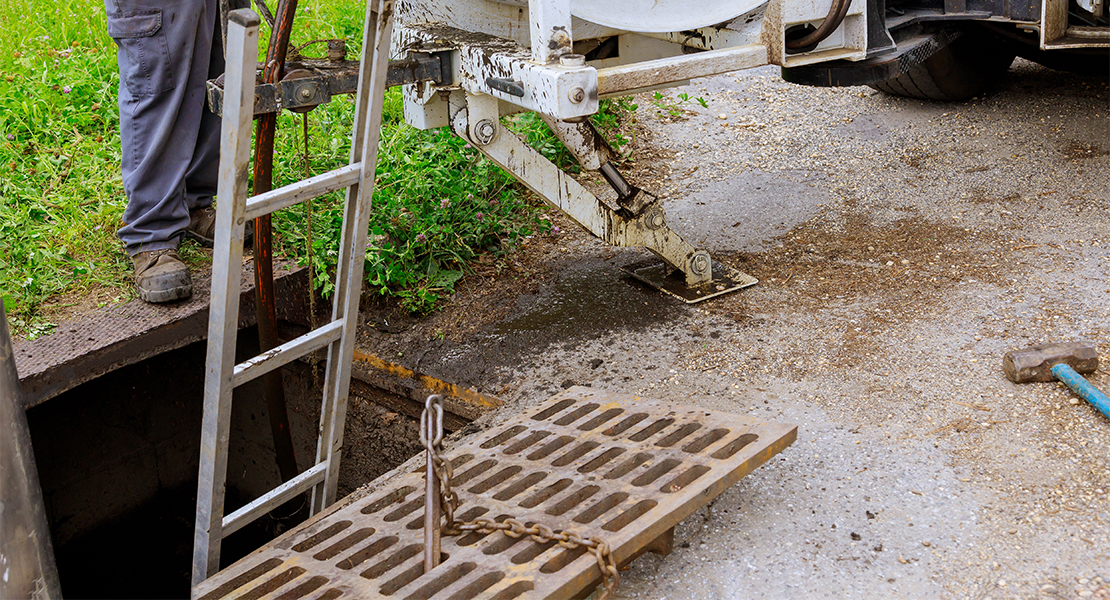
x,y
294,193
274,498
286,353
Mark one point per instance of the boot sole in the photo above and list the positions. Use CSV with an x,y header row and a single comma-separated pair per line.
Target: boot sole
x,y
166,295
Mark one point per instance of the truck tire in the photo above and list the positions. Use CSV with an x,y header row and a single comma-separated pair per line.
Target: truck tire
x,y
968,66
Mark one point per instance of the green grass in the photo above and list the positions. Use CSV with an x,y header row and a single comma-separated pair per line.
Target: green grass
x,y
437,207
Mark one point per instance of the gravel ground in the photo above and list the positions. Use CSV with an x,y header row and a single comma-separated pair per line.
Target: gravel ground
x,y
902,248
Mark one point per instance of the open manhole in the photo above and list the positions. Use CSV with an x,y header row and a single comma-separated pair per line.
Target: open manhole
x,y
621,468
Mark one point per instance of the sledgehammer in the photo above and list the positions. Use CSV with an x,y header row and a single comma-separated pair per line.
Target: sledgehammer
x,y
1060,361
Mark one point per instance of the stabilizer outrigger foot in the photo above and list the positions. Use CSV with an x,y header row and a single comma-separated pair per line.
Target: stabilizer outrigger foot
x,y
637,220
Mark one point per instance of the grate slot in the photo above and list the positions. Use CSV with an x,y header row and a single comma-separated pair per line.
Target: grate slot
x,y
531,552
479,585
502,437
473,472
678,435
655,472
405,510
239,581
628,466
595,422
501,544
685,479
550,447
651,430
527,441
601,459
608,503
328,532
344,544
520,486
735,446
638,510
556,408
304,589
442,581
514,591
367,553
497,479
394,497
625,425
392,561
274,583
409,575
543,495
576,414
576,453
563,559
705,441
573,500
330,594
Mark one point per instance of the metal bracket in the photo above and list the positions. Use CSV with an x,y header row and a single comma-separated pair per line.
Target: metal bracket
x,y
475,117
332,79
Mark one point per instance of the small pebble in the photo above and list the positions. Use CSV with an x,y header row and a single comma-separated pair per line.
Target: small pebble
x,y
1073,401
926,544
722,116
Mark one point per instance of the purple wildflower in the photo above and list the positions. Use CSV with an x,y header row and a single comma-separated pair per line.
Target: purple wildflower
x,y
478,216
11,136
420,239
554,230
66,89
444,203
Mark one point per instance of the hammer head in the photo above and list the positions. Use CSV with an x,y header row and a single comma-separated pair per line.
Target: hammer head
x,y
1035,364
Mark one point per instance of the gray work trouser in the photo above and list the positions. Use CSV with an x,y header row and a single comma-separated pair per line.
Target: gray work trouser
x,y
170,141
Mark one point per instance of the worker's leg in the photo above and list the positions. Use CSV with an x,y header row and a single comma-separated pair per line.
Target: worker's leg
x,y
201,178
164,58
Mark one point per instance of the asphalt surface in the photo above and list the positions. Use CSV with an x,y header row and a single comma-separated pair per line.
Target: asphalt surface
x,y
902,248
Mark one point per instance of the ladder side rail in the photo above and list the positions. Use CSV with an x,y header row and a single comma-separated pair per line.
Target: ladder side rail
x,y
356,217
227,266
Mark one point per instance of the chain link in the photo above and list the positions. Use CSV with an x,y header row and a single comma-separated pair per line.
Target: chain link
x,y
433,409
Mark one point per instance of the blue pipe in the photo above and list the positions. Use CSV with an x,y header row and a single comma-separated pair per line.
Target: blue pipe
x,y
1081,386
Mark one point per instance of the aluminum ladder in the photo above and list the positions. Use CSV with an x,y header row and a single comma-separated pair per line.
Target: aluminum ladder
x,y
233,209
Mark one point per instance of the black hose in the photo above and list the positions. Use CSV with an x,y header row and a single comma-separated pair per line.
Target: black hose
x,y
837,12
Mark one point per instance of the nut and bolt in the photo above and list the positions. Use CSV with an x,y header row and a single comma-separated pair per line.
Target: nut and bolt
x,y
572,61
306,93
700,264
484,131
655,219
577,95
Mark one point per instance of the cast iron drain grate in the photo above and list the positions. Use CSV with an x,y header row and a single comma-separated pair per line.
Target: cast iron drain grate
x,y
617,467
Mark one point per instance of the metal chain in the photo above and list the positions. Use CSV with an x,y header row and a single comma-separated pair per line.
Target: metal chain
x,y
513,528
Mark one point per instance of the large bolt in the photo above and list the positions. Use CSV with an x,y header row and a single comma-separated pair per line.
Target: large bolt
x,y
655,219
572,61
577,95
306,93
484,131
700,264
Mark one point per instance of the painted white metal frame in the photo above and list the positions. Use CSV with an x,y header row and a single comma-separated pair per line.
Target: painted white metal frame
x,y
233,209
470,112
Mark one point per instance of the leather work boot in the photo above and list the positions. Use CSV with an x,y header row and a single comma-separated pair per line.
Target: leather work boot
x,y
202,228
160,276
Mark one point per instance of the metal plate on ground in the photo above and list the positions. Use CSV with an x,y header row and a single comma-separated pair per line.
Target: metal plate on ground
x,y
662,277
621,468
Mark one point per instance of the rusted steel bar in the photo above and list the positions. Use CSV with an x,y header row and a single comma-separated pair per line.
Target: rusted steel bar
x,y
263,254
